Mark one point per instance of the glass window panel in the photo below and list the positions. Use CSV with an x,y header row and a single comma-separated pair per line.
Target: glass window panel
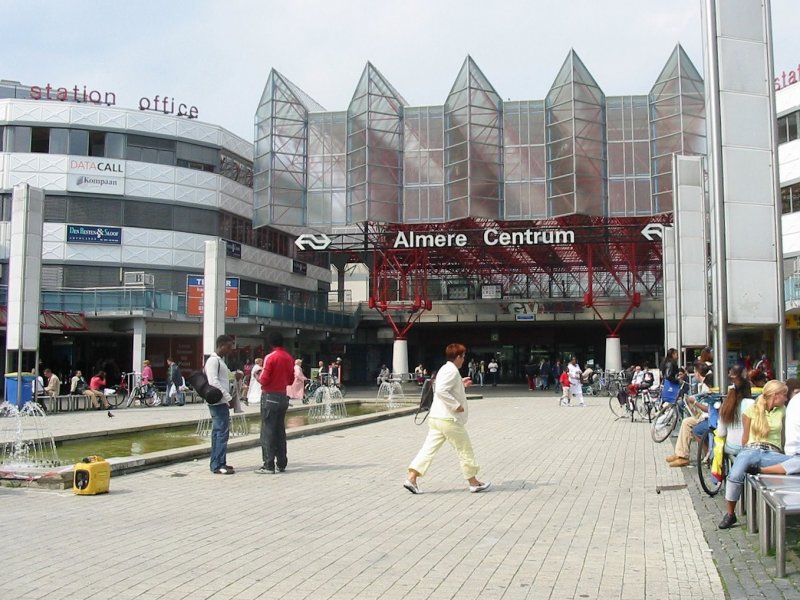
x,y
616,197
791,123
19,139
561,166
115,145
79,142
562,205
537,162
642,191
562,185
641,158
616,159
59,141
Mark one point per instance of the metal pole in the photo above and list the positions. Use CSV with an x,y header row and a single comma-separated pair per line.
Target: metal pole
x,y
780,341
719,276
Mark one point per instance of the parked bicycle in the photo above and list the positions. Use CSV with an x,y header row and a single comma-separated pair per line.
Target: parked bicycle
x,y
710,483
671,411
141,394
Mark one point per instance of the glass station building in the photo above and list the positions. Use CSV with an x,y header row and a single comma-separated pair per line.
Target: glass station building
x,y
578,159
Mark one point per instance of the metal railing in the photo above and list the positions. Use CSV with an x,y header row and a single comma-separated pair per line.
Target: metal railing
x,y
110,301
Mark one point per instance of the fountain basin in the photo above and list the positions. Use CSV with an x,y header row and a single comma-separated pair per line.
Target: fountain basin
x,y
61,478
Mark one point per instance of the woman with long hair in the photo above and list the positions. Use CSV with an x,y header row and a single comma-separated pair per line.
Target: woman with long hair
x,y
762,443
737,401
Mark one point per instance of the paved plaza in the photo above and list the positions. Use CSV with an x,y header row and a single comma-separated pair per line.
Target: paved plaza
x,y
573,513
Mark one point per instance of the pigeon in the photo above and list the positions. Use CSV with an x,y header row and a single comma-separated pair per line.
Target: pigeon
x,y
110,416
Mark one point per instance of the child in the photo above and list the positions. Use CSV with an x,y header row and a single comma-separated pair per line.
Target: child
x,y
564,381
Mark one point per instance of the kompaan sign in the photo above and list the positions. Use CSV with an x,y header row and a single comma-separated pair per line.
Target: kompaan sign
x,y
491,237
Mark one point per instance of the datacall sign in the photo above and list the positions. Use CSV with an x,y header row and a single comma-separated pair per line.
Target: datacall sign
x,y
166,105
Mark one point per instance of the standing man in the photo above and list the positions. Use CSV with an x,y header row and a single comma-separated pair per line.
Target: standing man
x,y
575,385
218,376
493,371
447,420
174,384
277,374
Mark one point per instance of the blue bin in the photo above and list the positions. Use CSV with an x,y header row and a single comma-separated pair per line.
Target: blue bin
x,y
27,388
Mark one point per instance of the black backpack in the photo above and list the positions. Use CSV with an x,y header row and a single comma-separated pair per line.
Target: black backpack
x,y
425,401
199,382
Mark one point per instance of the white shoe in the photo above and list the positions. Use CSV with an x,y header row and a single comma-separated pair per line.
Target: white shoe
x,y
411,487
481,487
583,404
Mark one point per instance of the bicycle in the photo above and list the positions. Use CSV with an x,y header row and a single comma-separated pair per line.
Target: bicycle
x,y
710,483
672,410
141,394
647,402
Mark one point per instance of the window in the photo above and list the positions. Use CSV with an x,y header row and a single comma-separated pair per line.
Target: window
x,y
59,141
78,142
2,131
40,140
115,145
97,143
151,149
787,127
19,139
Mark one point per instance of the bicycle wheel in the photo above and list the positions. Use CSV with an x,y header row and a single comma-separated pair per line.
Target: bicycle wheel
x,y
613,388
617,407
115,400
705,454
151,399
643,406
664,423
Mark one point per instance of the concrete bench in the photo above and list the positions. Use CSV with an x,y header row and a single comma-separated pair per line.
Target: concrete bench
x,y
776,496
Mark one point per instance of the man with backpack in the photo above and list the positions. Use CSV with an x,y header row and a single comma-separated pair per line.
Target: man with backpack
x,y
218,375
448,417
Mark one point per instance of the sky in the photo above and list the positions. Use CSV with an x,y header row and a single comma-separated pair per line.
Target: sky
x,y
217,55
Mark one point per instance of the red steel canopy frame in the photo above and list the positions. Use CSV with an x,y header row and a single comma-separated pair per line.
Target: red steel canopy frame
x,y
607,258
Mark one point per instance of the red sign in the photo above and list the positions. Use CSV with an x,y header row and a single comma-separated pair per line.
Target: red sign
x,y
195,291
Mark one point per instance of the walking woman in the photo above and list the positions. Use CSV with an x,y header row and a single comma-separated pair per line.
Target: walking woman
x,y
762,441
447,420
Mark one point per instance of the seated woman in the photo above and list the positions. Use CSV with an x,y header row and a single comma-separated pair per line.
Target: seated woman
x,y
762,443
642,379
791,430
692,425
737,401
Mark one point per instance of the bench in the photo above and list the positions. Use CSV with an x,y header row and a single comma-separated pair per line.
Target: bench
x,y
776,496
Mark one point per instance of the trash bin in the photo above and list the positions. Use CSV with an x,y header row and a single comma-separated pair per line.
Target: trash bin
x,y
91,476
27,388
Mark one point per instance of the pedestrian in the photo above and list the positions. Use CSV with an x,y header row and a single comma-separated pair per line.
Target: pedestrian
x,y
296,389
575,385
253,386
493,368
385,375
482,372
277,374
174,384
218,376
237,391
147,373
530,374
446,423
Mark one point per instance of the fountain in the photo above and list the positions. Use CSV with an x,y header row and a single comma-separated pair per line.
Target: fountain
x,y
391,392
328,405
28,456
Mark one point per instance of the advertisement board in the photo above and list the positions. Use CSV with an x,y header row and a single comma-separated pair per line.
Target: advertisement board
x,y
87,234
96,175
195,287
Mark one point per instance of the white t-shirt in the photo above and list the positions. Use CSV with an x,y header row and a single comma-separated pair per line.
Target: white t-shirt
x,y
493,367
792,427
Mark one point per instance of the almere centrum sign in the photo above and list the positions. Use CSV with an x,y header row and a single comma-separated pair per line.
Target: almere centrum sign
x,y
491,237
415,239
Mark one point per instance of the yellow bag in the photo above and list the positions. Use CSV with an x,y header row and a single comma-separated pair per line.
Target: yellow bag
x,y
716,462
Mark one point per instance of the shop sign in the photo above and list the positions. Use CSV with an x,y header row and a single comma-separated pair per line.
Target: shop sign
x,y
233,249
83,234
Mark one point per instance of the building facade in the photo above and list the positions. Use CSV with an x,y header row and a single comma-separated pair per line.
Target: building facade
x,y
130,198
578,160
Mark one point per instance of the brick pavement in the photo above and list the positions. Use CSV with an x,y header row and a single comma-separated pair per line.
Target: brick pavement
x,y
573,514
